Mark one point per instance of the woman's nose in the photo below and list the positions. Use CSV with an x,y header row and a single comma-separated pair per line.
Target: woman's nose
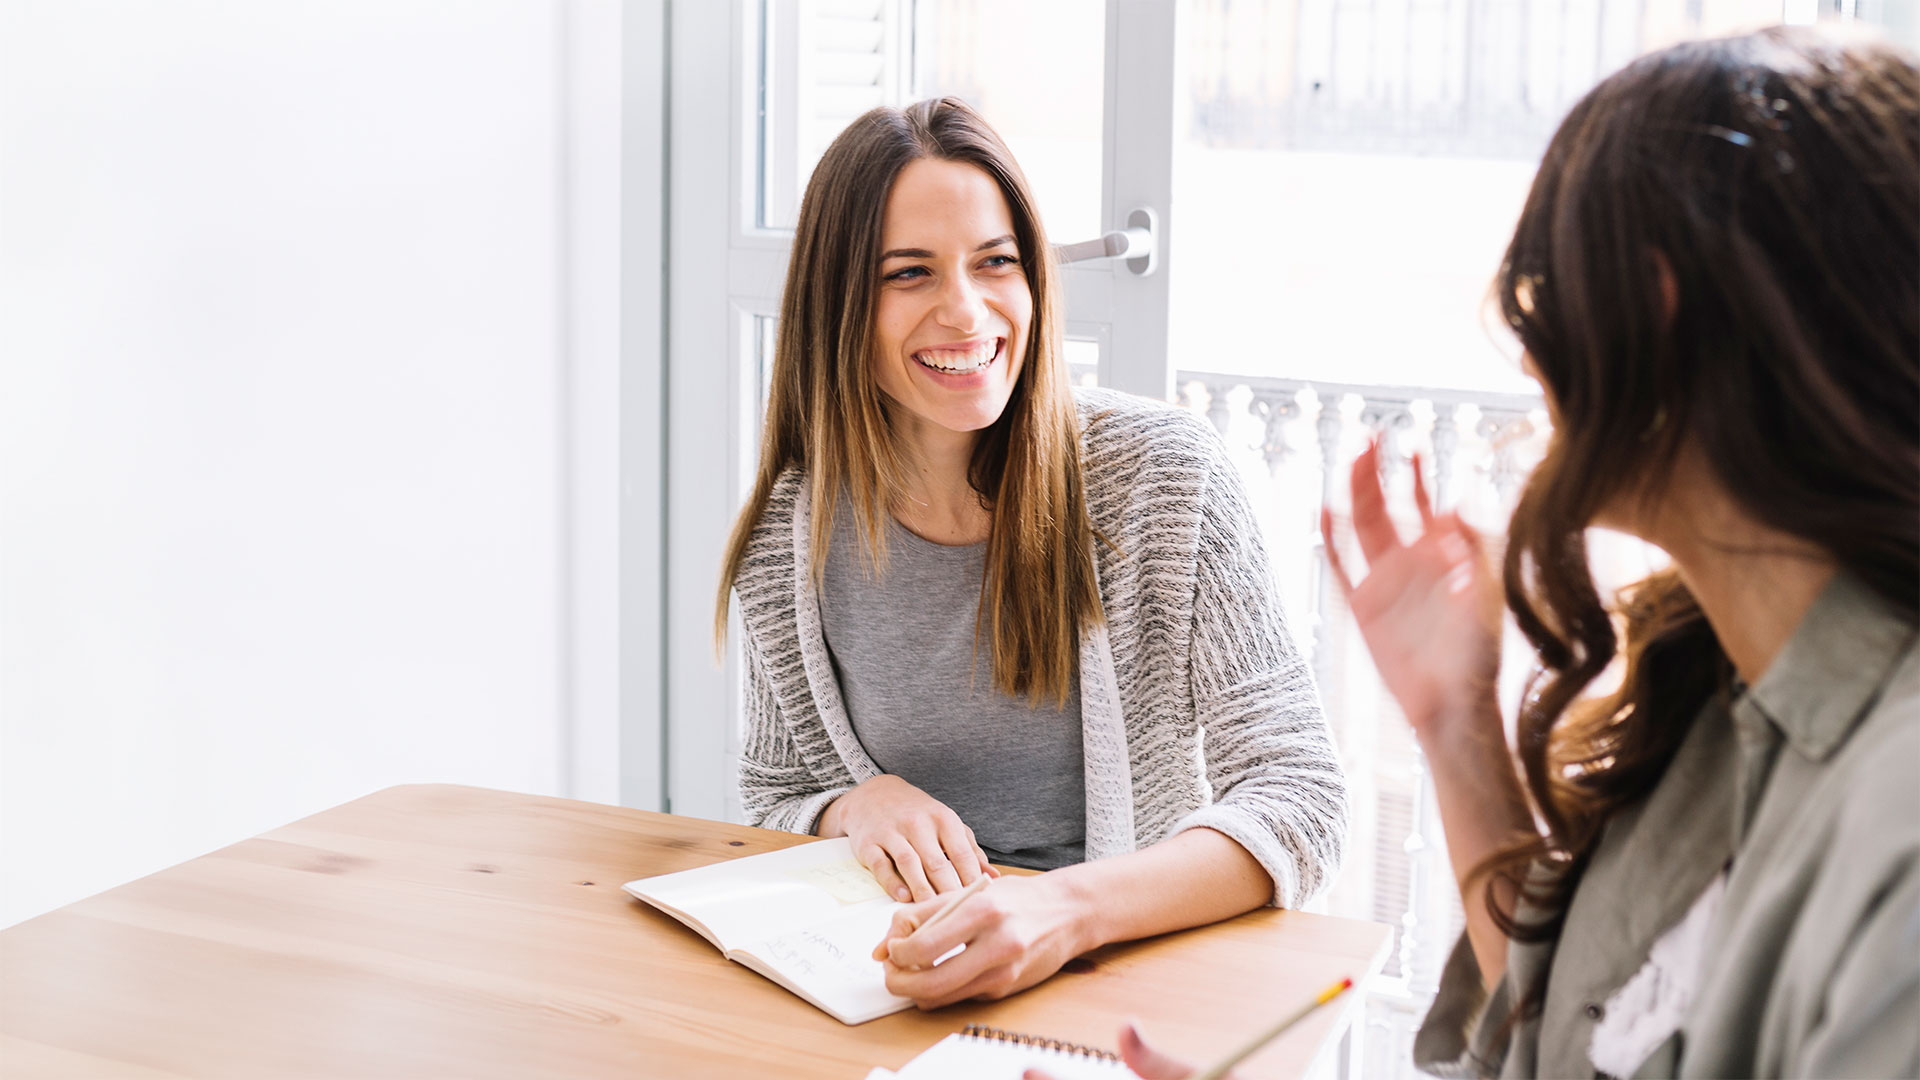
x,y
962,305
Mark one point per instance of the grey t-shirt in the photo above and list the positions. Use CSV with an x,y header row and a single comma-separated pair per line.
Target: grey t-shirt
x,y
903,650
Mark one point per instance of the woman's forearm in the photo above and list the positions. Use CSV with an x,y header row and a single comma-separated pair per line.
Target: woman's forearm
x,y
1021,930
1197,877
1482,808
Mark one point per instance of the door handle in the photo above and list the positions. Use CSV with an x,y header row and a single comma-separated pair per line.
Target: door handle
x,y
1138,243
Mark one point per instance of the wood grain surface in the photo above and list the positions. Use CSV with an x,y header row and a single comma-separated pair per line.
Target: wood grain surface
x,y
459,932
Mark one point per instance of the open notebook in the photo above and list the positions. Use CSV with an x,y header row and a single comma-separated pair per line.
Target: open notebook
x,y
984,1053
806,917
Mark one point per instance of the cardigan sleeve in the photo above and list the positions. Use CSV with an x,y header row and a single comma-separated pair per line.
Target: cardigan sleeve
x,y
1278,789
777,789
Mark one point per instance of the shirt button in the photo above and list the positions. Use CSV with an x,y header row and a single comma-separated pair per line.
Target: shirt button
x,y
1594,1012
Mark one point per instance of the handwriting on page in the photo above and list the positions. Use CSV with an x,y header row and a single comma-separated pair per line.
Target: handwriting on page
x,y
847,881
810,954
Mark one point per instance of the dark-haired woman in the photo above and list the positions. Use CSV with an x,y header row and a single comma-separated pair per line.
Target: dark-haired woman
x,y
1714,869
986,618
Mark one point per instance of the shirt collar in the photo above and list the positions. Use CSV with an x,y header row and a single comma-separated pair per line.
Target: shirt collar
x,y
1832,669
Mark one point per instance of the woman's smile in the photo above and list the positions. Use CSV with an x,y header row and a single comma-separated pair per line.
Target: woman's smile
x,y
963,360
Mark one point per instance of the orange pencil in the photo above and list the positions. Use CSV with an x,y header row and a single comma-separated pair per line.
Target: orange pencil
x,y
1268,1035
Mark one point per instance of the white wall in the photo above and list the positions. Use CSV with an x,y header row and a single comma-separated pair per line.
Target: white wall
x,y
283,517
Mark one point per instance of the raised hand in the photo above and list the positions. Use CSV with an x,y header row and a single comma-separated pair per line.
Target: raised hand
x,y
913,843
1429,610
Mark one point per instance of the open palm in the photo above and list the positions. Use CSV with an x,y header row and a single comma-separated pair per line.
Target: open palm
x,y
1430,609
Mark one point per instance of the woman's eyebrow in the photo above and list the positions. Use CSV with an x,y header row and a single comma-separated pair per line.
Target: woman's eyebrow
x,y
923,253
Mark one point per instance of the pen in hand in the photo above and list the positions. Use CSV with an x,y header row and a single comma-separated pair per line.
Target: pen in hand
x,y
881,951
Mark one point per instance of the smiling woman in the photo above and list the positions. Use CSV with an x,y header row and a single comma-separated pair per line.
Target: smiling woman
x,y
950,326
917,235
989,619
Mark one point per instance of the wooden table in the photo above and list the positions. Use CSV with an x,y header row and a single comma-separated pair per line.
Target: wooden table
x,y
458,932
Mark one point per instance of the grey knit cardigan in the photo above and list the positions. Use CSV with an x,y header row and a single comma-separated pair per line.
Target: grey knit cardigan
x,y
1197,710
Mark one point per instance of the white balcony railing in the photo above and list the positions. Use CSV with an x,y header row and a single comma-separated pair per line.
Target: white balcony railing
x,y
1294,441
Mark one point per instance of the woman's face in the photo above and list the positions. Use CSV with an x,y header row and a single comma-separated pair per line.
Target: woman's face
x,y
951,320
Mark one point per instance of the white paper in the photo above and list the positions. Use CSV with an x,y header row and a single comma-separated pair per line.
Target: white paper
x,y
744,900
807,917
833,961
966,1057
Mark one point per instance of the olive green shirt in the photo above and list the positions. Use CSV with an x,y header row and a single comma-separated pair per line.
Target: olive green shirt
x,y
1806,789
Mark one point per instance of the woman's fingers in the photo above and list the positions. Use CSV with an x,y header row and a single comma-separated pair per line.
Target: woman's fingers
x,y
968,863
934,986
1372,525
915,846
921,947
1420,498
938,867
986,867
1470,535
907,861
905,921
1145,1061
1492,600
990,984
880,865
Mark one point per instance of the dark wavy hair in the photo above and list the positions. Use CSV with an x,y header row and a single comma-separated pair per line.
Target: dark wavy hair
x,y
1777,175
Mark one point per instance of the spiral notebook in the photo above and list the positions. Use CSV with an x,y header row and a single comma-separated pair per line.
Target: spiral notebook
x,y
984,1053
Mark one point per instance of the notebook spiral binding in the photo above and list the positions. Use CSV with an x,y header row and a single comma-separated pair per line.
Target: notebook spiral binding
x,y
994,1034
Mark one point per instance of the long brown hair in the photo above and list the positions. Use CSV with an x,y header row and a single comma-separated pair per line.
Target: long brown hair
x,y
1777,175
827,416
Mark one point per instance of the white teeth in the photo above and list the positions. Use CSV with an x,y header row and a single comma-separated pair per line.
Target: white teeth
x,y
959,361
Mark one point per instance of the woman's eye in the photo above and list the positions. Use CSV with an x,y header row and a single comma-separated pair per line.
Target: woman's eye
x,y
907,274
998,262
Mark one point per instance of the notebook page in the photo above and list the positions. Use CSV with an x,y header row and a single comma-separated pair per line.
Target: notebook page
x,y
741,900
831,962
969,1057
